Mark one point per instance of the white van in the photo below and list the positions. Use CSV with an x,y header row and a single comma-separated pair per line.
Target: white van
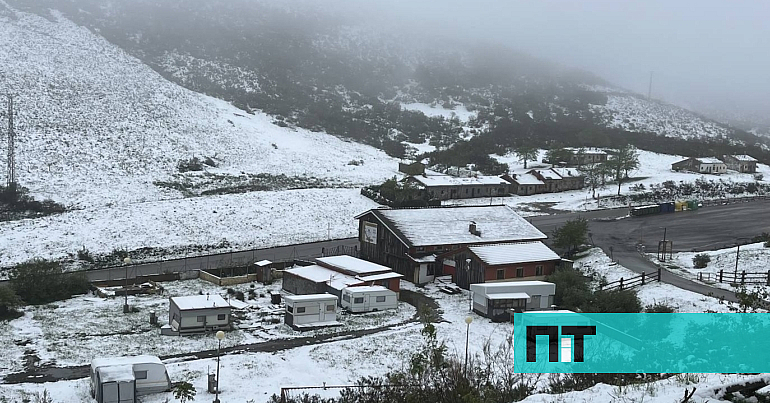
x,y
368,299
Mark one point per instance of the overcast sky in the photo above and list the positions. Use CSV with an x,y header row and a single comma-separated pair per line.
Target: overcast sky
x,y
704,53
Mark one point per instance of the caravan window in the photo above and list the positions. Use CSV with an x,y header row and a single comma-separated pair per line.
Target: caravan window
x,y
300,309
289,308
222,316
381,299
359,300
140,374
201,318
346,297
329,308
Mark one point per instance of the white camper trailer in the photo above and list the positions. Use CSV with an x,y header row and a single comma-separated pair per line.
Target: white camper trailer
x,y
310,311
368,299
121,379
496,300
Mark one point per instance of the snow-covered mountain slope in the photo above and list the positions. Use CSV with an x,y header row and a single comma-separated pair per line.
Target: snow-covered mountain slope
x,y
631,112
95,126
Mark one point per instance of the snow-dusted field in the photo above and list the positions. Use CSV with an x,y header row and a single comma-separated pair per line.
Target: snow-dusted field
x,y
753,258
460,111
596,262
99,328
247,220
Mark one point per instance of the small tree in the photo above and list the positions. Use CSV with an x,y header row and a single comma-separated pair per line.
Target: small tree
x,y
596,176
526,154
701,260
622,163
558,155
184,391
41,281
9,301
571,235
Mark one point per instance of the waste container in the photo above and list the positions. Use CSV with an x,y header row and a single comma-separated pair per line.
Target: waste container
x,y
679,206
692,205
275,298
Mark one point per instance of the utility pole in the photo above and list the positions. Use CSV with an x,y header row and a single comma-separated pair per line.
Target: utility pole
x,y
11,146
649,90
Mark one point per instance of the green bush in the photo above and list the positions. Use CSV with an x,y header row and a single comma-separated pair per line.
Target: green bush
x,y
9,301
701,260
41,281
659,308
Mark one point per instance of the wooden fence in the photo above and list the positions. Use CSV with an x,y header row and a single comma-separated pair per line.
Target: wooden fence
x,y
736,277
340,250
631,282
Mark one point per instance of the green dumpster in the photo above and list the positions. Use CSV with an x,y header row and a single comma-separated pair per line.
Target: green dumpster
x,y
692,205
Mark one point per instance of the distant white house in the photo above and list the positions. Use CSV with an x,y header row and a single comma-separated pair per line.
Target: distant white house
x,y
122,379
197,314
741,163
705,165
305,312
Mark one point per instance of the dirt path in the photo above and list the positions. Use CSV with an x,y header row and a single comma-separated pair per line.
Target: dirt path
x,y
421,302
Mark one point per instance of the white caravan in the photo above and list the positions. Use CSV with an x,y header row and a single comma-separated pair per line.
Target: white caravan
x,y
368,299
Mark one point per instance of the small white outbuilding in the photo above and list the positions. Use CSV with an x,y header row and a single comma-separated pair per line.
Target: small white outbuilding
x,y
368,299
305,312
496,300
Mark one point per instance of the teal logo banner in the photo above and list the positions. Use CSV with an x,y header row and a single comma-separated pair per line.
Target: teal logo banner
x,y
565,342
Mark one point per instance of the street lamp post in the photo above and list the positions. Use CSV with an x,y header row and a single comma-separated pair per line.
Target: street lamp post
x,y
468,321
126,262
220,337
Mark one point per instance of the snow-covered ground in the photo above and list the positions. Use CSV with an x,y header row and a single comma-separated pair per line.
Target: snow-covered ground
x,y
753,258
596,263
247,220
99,328
460,111
634,113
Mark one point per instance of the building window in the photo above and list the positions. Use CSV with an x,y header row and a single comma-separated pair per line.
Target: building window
x,y
222,316
381,299
500,274
346,297
420,249
300,309
385,283
538,270
140,374
201,319
519,272
329,308
439,247
289,308
466,191
358,300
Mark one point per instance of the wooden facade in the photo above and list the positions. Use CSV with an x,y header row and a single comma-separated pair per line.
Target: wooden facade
x,y
387,249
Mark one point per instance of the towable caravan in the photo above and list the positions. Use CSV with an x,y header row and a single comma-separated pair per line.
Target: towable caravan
x,y
368,299
305,312
122,379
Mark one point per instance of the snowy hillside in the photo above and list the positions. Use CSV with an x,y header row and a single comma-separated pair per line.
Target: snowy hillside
x,y
633,113
95,126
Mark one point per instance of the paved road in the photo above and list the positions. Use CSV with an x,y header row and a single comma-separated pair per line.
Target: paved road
x,y
709,228
300,251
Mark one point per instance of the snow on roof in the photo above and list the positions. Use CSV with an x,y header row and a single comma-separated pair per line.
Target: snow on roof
x,y
509,295
320,274
373,288
423,259
447,180
503,284
136,359
567,172
117,373
450,225
527,179
514,253
586,150
709,160
353,264
310,298
548,174
383,276
200,302
263,263
744,158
